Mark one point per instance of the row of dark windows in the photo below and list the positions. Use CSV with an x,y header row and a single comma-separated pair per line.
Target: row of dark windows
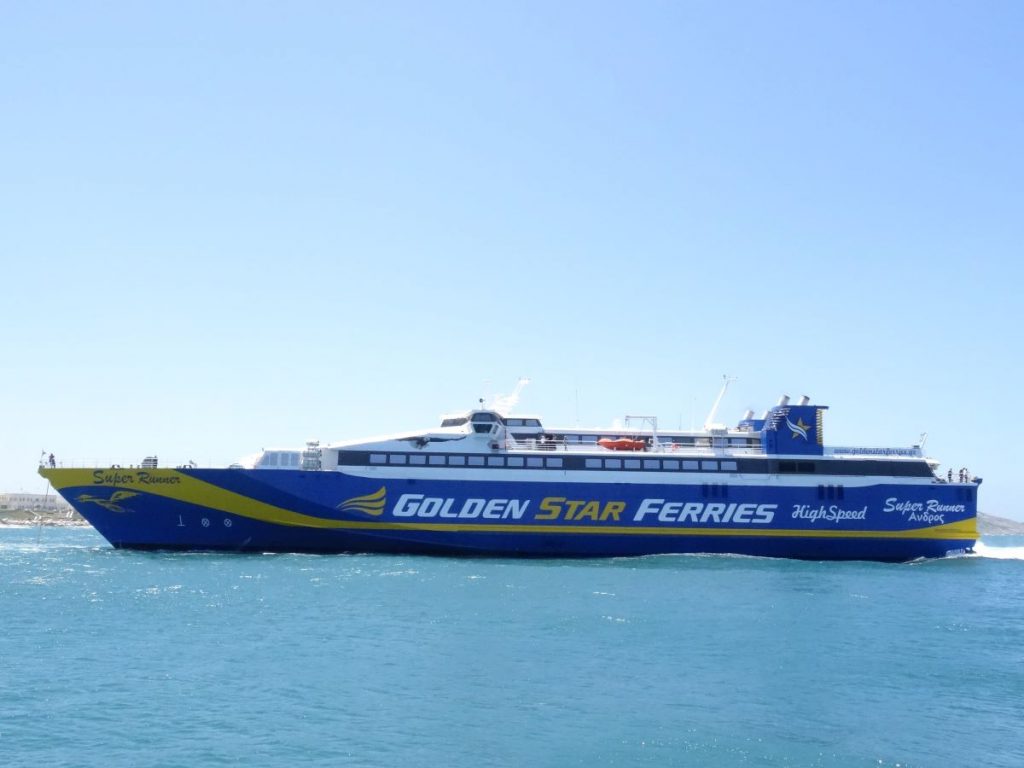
x,y
643,462
830,492
459,460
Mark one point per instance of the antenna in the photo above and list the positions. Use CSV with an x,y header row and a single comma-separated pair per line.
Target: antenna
x,y
709,423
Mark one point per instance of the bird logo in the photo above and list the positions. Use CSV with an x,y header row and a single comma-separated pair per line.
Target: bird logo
x,y
111,504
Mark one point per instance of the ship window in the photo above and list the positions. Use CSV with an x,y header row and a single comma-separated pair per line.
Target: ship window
x,y
269,460
631,463
613,463
728,466
593,463
513,422
435,460
531,422
652,464
670,464
397,458
589,439
495,461
476,461
515,461
806,466
378,458
691,465
554,463
709,466
535,461
454,422
456,461
787,466
414,459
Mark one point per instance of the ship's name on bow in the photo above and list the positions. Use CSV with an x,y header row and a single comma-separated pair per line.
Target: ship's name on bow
x,y
114,477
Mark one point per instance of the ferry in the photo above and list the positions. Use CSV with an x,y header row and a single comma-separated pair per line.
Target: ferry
x,y
489,483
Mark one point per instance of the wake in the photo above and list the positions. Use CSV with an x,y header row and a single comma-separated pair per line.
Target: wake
x,y
982,549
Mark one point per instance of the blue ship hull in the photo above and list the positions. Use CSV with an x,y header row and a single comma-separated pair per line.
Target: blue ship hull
x,y
300,511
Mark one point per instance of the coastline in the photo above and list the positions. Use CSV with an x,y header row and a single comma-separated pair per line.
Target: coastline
x,y
17,518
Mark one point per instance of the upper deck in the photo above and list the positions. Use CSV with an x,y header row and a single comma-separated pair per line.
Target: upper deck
x,y
786,441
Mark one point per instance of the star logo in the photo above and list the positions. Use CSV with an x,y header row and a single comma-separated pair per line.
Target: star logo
x,y
799,429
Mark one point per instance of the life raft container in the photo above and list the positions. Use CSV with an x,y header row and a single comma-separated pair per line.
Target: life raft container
x,y
622,444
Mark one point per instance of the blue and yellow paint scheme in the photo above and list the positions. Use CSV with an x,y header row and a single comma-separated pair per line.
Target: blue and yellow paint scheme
x,y
334,511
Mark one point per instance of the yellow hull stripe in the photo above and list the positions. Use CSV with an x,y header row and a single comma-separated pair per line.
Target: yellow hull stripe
x,y
202,494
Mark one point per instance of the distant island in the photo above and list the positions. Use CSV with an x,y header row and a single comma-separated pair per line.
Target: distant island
x,y
991,525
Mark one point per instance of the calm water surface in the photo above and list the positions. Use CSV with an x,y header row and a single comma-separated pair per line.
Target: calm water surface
x,y
112,658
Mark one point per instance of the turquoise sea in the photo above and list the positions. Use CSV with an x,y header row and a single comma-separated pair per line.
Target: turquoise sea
x,y
111,658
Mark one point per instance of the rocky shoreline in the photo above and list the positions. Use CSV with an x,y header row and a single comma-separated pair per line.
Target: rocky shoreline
x,y
37,517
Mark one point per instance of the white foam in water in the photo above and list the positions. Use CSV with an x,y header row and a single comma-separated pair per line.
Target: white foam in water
x,y
998,553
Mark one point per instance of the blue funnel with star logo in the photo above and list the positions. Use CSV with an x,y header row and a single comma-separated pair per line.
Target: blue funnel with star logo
x,y
794,430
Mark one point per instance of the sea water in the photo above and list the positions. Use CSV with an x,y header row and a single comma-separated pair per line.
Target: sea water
x,y
114,658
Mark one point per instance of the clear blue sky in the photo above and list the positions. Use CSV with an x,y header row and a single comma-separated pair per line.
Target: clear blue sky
x,y
225,226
